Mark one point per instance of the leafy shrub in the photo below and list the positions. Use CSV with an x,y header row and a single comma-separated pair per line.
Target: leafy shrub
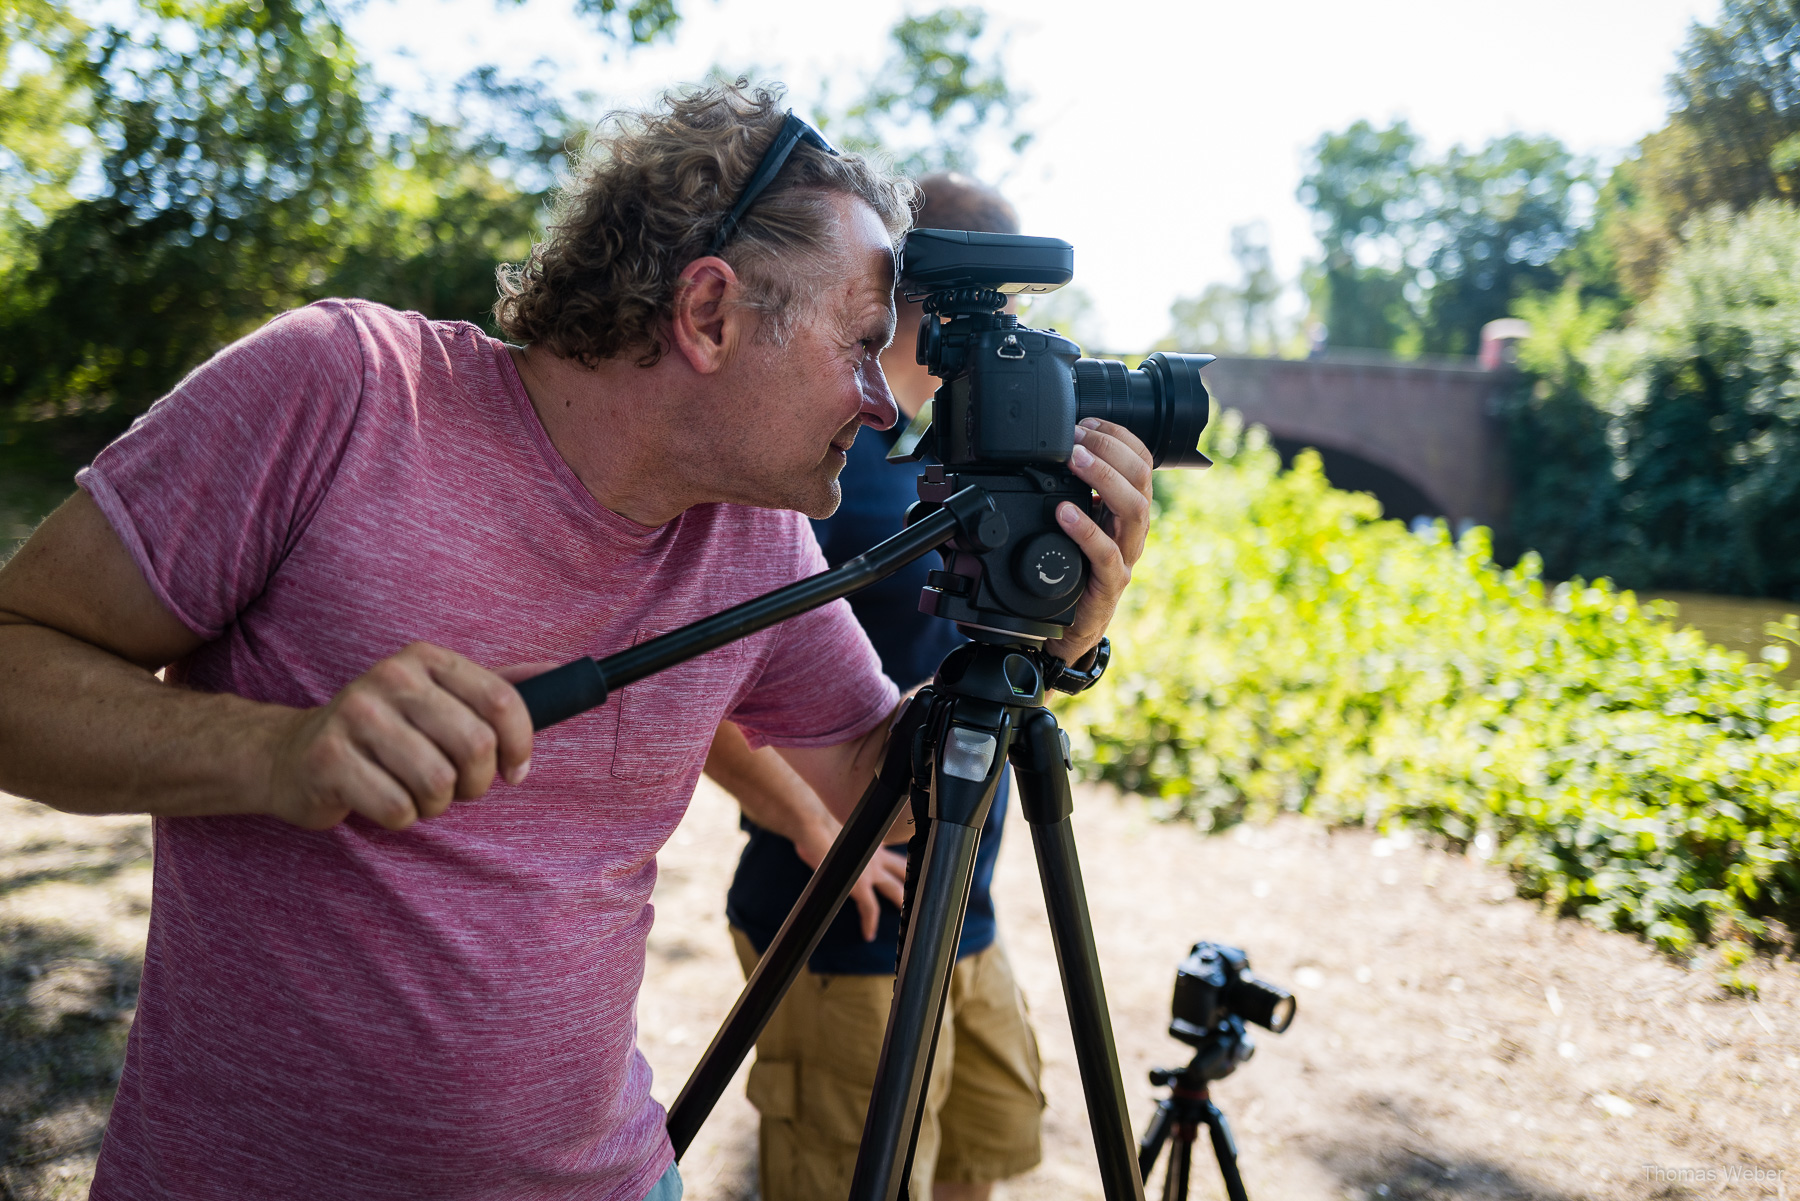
x,y
1285,648
1667,454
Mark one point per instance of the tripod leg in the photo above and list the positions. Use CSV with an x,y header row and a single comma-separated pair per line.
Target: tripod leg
x,y
968,758
1181,1163
798,937
1039,760
1151,1145
1225,1149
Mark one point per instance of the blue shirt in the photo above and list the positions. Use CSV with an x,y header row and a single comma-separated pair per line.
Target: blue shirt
x,y
771,874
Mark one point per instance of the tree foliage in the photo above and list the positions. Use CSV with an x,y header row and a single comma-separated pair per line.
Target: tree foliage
x,y
1420,253
1733,139
942,91
43,116
244,163
234,145
1240,318
1364,191
1667,453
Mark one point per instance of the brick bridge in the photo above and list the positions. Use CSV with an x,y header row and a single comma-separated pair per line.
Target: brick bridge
x,y
1422,436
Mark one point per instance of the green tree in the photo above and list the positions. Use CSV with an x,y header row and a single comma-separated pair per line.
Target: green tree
x,y
1421,253
1498,222
1702,398
451,199
1366,191
1565,498
245,165
43,117
1240,318
234,146
941,91
1732,140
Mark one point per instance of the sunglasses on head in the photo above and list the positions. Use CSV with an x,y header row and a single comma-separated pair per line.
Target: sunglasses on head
x,y
794,130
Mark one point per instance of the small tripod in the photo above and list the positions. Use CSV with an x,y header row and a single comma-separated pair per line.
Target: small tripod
x,y
1215,994
1189,1104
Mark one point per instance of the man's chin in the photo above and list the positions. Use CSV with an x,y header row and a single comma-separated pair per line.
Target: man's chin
x,y
826,505
817,502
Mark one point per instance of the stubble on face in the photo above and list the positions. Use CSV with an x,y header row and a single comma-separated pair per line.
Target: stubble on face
x,y
830,368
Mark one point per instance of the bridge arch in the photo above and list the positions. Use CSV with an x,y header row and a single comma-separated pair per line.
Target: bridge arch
x,y
1420,435
1400,497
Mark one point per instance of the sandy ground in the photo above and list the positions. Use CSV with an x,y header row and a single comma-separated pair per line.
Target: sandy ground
x,y
1453,1041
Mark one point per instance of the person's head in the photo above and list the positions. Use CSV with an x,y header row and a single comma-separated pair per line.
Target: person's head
x,y
764,341
947,200
644,201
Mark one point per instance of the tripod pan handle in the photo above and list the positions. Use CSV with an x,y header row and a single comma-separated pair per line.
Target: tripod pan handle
x,y
562,692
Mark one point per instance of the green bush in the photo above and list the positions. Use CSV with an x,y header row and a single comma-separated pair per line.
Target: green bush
x,y
1667,454
1283,648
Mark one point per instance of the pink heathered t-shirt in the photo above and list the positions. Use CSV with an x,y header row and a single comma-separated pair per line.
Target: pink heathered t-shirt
x,y
446,1011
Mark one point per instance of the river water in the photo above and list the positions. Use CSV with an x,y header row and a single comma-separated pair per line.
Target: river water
x,y
1736,622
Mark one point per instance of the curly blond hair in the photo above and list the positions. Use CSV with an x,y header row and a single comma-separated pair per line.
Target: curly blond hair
x,y
645,200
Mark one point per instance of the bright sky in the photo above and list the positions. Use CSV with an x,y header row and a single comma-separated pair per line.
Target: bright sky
x,y
1159,126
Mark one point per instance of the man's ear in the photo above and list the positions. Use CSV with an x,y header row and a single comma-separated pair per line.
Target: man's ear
x,y
710,320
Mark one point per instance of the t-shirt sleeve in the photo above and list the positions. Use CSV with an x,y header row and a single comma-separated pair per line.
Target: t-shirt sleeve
x,y
212,487
822,684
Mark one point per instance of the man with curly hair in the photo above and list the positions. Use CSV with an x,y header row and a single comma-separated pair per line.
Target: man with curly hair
x,y
395,942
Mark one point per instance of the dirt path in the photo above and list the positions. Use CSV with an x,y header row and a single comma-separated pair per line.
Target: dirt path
x,y
1453,1042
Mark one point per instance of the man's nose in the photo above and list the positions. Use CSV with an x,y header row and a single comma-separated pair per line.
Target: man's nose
x,y
878,408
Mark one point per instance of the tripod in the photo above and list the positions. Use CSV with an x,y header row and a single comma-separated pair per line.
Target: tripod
x,y
944,756
1188,1106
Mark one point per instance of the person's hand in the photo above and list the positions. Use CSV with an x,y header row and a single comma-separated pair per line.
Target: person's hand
x,y
884,877
400,742
1111,460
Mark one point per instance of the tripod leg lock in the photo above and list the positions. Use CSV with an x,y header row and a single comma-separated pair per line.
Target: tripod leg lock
x,y
969,754
1040,755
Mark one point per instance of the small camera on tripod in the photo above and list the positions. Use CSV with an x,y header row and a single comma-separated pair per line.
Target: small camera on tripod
x,y
1215,994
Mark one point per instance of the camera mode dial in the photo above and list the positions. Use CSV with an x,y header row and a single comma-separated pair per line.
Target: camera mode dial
x,y
1049,566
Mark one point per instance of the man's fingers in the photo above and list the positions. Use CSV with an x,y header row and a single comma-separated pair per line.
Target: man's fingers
x,y
468,742
492,699
393,743
868,909
1110,573
889,868
1109,468
1119,447
373,791
341,778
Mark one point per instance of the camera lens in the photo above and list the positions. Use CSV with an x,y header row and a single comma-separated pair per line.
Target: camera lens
x,y
1256,1000
1162,401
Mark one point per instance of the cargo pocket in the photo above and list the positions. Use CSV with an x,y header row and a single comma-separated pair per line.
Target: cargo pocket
x,y
774,1088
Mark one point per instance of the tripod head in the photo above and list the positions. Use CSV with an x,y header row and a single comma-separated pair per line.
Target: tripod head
x,y
1004,420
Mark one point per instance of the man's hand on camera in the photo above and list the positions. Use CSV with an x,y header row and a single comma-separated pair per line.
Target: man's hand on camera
x,y
1111,460
401,742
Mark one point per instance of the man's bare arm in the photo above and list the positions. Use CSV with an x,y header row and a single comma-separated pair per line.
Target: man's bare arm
x,y
840,774
774,796
86,726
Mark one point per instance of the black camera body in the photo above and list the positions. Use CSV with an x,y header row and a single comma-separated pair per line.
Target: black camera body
x,y
1215,994
1004,418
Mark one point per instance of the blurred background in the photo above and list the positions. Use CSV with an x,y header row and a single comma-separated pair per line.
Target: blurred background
x,y
1496,580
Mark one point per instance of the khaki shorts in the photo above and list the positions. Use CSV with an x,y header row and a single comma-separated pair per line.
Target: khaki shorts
x,y
815,1067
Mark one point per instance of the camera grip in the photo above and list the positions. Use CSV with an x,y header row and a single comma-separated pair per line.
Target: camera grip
x,y
562,692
